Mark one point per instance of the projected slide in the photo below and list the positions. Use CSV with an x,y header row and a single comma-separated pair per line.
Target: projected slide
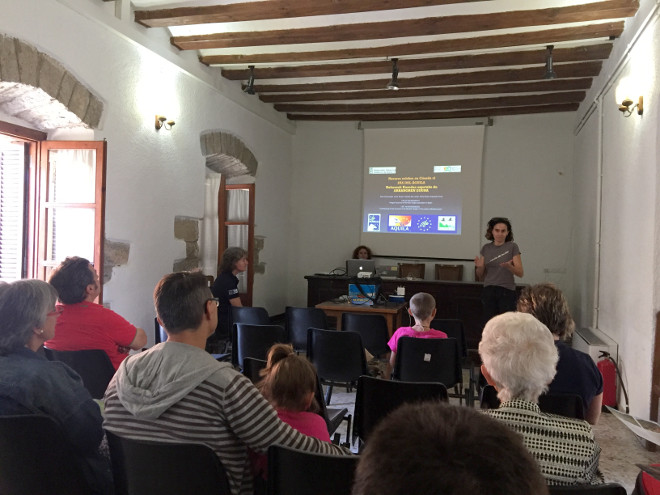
x,y
421,191
413,200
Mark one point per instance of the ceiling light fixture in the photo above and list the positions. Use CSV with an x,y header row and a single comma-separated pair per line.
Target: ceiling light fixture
x,y
549,72
394,82
626,107
162,122
249,89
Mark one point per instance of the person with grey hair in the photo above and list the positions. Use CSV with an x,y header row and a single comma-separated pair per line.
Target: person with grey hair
x,y
225,288
176,392
30,384
519,359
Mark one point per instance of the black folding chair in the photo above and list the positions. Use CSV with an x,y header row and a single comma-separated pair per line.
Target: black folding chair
x,y
295,472
338,356
372,329
254,341
605,489
93,366
569,405
36,458
158,468
298,320
376,398
429,360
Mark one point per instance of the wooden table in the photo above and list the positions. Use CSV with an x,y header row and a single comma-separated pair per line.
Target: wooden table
x,y
391,311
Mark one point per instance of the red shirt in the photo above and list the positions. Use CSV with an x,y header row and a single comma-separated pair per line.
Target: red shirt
x,y
87,325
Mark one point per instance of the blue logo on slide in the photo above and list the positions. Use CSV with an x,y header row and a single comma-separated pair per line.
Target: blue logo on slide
x,y
373,222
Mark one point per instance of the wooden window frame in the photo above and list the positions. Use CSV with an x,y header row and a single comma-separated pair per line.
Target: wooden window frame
x,y
246,298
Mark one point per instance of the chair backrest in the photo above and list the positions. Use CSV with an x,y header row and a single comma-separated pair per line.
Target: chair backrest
x,y
412,270
376,398
454,329
295,472
338,356
254,315
254,341
156,468
428,360
36,458
448,272
298,320
159,332
93,366
372,329
252,367
569,405
605,489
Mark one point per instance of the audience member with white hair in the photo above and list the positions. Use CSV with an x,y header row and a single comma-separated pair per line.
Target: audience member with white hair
x,y
519,359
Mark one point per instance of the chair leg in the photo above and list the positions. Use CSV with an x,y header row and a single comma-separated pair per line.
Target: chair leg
x,y
328,395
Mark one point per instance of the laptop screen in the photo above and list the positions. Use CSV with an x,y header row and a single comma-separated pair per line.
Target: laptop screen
x,y
353,267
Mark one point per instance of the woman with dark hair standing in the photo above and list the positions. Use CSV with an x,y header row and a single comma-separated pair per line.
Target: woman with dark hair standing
x,y
496,265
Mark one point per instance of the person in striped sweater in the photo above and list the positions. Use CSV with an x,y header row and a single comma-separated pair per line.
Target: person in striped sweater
x,y
176,392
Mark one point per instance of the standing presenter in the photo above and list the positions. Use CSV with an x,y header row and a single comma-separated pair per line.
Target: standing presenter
x,y
496,265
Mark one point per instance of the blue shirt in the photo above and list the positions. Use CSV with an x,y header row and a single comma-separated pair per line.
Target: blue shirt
x,y
30,384
576,374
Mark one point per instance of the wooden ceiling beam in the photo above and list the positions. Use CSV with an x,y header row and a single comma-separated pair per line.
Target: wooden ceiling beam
x,y
456,114
419,106
432,26
543,36
272,9
526,57
581,69
477,89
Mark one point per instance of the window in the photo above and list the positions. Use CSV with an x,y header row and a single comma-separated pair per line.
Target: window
x,y
236,219
52,196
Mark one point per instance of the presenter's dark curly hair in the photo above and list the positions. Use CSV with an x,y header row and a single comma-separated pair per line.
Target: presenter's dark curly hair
x,y
494,221
357,250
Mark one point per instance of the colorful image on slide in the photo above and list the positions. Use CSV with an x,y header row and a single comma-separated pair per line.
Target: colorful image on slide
x,y
422,224
447,224
373,222
400,220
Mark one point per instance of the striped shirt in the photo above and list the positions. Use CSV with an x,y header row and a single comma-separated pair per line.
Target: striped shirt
x,y
223,411
564,448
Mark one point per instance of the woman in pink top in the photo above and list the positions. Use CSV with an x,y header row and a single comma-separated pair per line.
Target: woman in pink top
x,y
422,309
289,384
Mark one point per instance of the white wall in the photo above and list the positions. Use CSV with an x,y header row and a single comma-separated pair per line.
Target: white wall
x,y
526,177
627,294
154,176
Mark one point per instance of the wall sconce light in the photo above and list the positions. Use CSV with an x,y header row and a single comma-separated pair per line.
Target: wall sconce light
x,y
161,121
626,107
394,82
249,89
549,72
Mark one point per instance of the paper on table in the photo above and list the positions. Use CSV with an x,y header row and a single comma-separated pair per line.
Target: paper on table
x,y
647,430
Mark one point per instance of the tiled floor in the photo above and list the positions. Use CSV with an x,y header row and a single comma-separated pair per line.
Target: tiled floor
x,y
621,449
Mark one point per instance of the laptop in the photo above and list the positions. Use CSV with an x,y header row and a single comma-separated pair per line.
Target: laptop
x,y
353,267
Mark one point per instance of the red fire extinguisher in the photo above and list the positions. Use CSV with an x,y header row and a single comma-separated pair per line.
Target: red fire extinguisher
x,y
609,369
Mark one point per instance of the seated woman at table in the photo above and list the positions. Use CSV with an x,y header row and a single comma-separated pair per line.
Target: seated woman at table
x,y
576,371
422,309
30,384
362,253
